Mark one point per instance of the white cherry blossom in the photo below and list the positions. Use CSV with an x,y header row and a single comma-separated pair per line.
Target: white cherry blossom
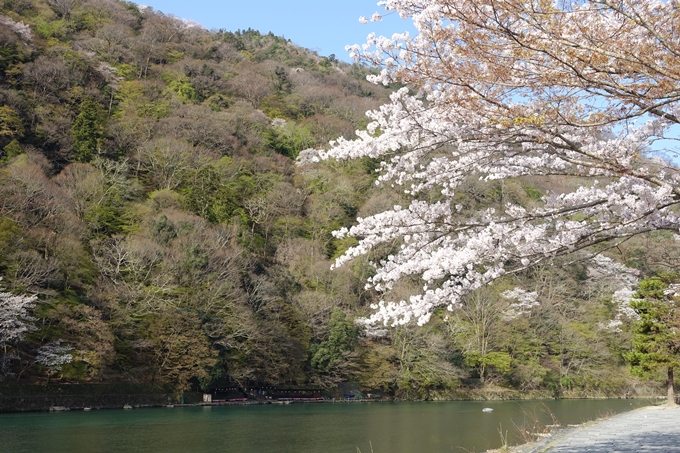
x,y
14,316
53,355
496,90
524,302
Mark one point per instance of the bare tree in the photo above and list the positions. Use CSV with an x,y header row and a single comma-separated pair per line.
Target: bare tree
x,y
28,196
166,160
63,7
49,76
476,326
251,85
84,184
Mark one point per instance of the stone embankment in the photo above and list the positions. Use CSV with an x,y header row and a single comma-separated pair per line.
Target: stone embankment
x,y
650,429
55,397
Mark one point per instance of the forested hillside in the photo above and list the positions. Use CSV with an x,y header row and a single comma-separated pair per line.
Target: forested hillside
x,y
149,197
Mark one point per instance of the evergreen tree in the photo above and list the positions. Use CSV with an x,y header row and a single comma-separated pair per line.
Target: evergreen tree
x,y
339,342
656,335
12,149
88,130
10,124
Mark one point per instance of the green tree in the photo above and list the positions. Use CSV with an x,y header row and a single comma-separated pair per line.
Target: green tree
x,y
88,130
10,124
184,90
289,139
12,149
656,335
281,81
329,355
499,360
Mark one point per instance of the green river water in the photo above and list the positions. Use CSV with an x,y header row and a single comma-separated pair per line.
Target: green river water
x,y
422,427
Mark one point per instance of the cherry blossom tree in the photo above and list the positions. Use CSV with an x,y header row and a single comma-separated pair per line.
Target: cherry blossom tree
x,y
14,317
54,356
14,324
498,89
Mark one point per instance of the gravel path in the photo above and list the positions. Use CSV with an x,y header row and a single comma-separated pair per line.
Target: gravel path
x,y
651,429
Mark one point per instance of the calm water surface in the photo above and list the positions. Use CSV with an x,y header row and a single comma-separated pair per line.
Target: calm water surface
x,y
425,427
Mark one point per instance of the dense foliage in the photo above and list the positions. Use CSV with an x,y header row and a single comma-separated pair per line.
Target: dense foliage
x,y
155,227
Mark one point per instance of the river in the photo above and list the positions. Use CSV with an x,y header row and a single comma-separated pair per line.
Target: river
x,y
405,427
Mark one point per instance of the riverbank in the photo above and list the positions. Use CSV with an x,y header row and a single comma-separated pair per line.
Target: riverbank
x,y
34,403
16,397
36,398
506,394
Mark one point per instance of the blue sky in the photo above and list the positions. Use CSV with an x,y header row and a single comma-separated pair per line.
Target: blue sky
x,y
322,26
